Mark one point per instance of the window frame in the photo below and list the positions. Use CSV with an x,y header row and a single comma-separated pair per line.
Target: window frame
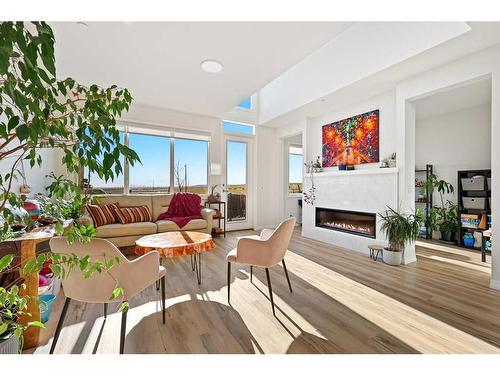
x,y
170,134
293,195
235,133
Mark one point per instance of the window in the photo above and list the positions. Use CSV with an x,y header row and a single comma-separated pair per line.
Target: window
x,y
236,156
166,162
246,103
295,168
115,186
153,175
191,165
238,127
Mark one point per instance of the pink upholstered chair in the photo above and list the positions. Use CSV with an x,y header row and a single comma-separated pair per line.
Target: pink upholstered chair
x,y
133,276
265,251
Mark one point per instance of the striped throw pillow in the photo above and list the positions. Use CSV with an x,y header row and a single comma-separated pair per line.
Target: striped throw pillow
x,y
102,214
128,215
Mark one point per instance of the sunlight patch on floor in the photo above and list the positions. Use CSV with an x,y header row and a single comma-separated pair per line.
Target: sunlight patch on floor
x,y
418,330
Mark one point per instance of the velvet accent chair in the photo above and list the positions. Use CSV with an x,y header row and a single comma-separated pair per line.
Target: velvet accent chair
x,y
133,276
265,251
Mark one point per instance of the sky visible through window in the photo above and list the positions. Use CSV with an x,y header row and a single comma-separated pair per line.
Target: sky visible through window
x,y
236,127
236,163
295,168
195,155
246,103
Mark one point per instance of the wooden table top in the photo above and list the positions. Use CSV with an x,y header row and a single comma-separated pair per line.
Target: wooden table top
x,y
175,243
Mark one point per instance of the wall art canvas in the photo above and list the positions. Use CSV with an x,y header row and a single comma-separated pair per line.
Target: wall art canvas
x,y
352,141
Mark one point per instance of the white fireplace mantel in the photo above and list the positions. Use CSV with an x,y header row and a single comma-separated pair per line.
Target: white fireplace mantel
x,y
363,190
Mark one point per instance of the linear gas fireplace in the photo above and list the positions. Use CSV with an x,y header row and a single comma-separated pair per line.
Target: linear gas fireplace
x,y
358,223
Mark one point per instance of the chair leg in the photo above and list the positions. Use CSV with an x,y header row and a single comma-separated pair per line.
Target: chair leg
x,y
270,290
228,282
162,282
105,310
286,274
60,324
123,331
251,273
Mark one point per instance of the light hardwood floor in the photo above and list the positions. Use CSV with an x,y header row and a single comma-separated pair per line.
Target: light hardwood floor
x,y
342,302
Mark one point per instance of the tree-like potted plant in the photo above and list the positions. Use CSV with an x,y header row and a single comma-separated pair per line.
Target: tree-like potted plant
x,y
401,230
38,110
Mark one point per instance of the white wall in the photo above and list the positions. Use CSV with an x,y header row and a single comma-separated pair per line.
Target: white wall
x,y
454,141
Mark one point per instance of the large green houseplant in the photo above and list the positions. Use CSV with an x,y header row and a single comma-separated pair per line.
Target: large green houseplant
x,y
443,218
39,110
401,230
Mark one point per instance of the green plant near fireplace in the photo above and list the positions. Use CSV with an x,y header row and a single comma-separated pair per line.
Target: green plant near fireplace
x,y
40,111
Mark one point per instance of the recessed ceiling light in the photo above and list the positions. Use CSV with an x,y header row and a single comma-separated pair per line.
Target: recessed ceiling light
x,y
211,66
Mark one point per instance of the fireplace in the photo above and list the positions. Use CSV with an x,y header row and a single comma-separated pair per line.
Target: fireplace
x,y
354,222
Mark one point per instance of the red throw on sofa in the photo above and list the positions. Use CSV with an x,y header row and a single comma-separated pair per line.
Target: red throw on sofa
x,y
183,208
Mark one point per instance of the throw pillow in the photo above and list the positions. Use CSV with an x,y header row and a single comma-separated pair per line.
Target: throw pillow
x,y
128,215
102,214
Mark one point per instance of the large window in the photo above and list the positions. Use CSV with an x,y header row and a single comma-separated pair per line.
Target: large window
x,y
166,162
191,165
295,168
115,186
153,173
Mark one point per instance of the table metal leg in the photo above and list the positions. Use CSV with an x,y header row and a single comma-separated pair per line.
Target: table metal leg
x,y
197,266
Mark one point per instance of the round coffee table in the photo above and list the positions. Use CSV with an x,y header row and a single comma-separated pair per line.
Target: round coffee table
x,y
174,244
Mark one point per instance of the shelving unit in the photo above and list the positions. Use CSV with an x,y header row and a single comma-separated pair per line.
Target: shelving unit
x,y
220,216
481,192
425,204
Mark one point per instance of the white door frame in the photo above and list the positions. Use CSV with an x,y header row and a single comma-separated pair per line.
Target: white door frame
x,y
248,223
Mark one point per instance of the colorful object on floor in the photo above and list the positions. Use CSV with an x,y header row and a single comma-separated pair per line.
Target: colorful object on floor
x,y
42,280
46,301
183,208
352,141
33,207
468,240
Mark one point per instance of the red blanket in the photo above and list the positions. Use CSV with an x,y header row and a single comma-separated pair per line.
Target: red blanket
x,y
183,208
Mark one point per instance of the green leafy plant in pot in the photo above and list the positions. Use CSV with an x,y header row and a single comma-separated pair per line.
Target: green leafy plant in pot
x,y
443,218
401,230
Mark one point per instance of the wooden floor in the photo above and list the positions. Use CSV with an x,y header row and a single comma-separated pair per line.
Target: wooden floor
x,y
342,302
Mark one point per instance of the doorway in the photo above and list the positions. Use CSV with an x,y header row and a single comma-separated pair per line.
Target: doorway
x,y
293,167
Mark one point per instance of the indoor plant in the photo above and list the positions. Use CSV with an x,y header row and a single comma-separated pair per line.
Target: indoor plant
x,y
401,230
37,110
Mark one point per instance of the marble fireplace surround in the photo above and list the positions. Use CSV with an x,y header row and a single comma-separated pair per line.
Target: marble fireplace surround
x,y
364,190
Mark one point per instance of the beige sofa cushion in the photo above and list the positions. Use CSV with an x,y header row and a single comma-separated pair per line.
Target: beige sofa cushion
x,y
168,226
160,203
118,230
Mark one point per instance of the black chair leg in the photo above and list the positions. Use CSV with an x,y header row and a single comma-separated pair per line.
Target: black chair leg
x,y
162,282
228,282
105,310
251,273
286,273
123,331
60,324
270,290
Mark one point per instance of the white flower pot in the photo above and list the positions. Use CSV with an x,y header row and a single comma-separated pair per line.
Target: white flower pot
x,y
392,258
10,345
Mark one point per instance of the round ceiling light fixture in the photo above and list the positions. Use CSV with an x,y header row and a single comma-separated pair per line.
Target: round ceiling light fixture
x,y
211,66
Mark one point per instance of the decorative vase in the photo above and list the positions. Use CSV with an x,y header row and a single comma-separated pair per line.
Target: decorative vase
x,y
448,236
9,345
392,257
212,199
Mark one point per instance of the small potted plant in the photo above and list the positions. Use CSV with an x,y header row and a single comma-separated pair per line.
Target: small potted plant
x,y
214,196
401,230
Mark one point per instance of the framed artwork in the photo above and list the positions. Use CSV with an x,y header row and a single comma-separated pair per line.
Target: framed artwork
x,y
354,140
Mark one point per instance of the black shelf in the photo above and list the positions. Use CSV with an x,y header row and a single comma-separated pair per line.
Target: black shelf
x,y
484,193
419,175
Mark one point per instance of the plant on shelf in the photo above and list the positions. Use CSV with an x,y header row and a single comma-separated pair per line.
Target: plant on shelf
x,y
312,167
443,218
401,230
40,111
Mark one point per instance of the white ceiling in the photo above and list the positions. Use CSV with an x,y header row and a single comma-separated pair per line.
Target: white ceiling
x,y
159,62
455,99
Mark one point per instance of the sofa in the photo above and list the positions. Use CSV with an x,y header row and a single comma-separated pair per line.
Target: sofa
x,y
124,235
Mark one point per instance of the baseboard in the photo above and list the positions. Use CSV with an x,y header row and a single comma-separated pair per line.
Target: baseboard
x,y
495,284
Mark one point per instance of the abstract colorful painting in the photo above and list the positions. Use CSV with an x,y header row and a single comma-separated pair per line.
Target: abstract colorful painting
x,y
352,141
